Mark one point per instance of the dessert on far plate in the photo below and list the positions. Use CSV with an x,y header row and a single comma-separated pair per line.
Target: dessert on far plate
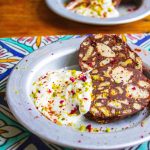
x,y
94,8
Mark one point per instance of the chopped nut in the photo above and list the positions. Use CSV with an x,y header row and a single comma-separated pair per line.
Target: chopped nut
x,y
88,53
126,63
98,104
105,61
86,43
86,66
104,84
104,110
143,84
115,104
107,73
131,55
137,106
108,130
113,92
98,36
139,63
80,55
94,110
82,128
105,51
120,90
95,77
95,71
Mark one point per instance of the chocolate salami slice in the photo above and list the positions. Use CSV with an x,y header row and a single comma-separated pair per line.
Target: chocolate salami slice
x,y
118,92
99,50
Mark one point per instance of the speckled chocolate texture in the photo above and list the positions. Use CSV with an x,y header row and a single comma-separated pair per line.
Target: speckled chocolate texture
x,y
99,50
119,87
118,92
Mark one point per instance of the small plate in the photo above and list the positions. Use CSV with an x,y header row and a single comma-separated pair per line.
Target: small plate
x,y
126,16
128,132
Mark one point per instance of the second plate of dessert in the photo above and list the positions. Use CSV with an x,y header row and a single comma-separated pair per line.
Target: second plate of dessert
x,y
108,12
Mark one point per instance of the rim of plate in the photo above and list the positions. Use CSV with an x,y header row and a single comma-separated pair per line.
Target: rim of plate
x,y
42,127
57,7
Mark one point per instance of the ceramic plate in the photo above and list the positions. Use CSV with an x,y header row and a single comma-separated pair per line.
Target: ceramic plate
x,y
126,15
130,131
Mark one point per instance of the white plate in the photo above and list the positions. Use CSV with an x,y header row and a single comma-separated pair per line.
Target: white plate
x,y
125,17
56,56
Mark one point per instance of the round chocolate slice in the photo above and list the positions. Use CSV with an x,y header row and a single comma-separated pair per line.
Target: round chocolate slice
x,y
99,50
118,92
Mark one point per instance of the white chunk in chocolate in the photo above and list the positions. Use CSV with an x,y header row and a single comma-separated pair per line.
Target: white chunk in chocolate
x,y
136,92
132,55
143,84
120,74
137,106
105,61
115,104
86,66
117,48
105,51
88,53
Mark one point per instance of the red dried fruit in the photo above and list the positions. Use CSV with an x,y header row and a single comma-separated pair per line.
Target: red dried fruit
x,y
55,120
113,61
83,78
61,101
44,77
73,92
72,79
49,91
90,64
130,96
89,127
74,110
